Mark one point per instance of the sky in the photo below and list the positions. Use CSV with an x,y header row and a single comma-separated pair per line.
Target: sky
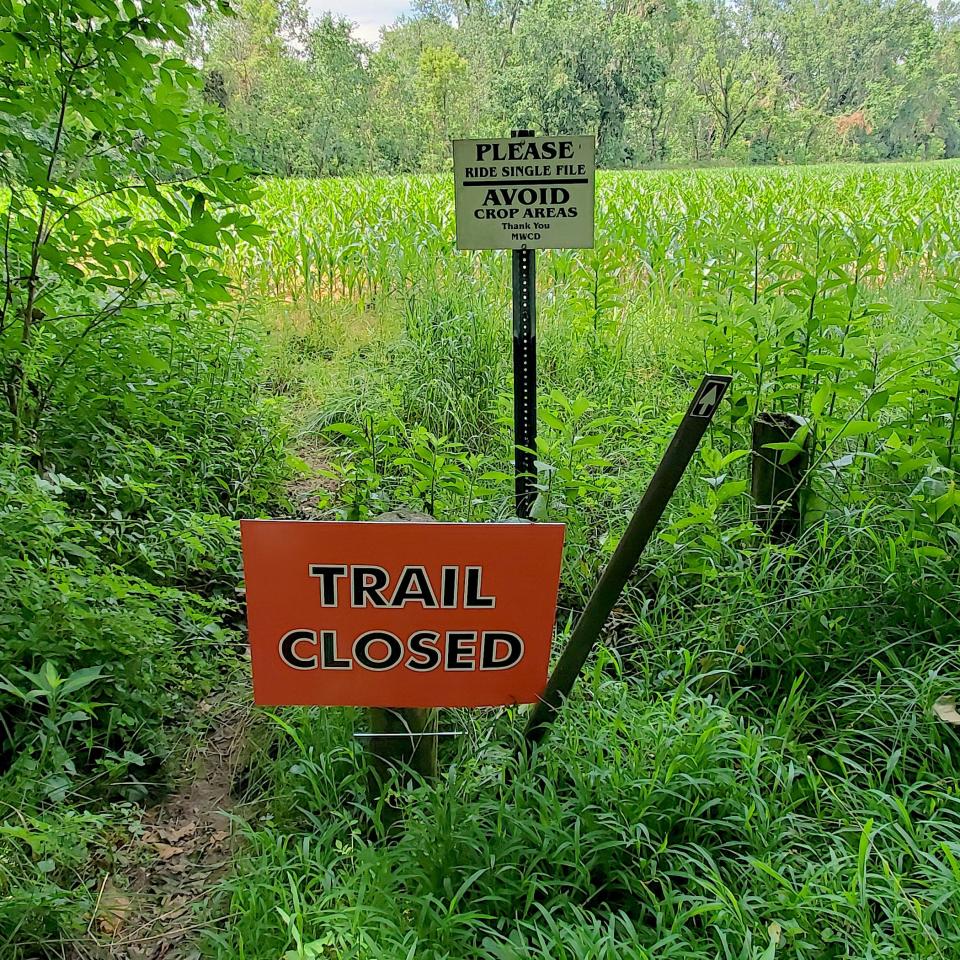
x,y
368,15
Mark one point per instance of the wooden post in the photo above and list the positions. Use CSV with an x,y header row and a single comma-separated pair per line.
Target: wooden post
x,y
403,738
779,482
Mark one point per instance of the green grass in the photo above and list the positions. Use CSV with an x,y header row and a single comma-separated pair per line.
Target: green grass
x,y
692,802
751,767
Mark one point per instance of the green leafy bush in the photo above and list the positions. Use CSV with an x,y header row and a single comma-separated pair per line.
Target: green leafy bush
x,y
133,431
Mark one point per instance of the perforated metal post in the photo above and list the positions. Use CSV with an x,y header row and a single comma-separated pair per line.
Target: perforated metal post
x,y
524,372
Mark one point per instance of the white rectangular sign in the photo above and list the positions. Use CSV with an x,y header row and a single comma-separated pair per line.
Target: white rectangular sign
x,y
528,193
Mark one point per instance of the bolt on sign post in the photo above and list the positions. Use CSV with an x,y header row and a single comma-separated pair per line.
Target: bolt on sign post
x,y
685,441
414,615
524,194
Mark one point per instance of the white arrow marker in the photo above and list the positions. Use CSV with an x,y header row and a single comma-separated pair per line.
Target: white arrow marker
x,y
709,400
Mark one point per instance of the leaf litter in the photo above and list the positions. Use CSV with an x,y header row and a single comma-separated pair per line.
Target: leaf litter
x,y
153,904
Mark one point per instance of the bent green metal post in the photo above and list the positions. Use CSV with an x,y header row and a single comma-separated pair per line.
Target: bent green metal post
x,y
692,428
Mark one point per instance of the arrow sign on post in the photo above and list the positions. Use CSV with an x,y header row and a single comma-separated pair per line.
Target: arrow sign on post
x,y
692,427
708,397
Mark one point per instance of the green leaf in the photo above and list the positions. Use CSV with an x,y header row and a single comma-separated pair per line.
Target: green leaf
x,y
197,207
80,678
551,420
205,231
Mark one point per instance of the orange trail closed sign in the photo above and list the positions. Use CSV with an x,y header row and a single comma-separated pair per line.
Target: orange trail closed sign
x,y
400,614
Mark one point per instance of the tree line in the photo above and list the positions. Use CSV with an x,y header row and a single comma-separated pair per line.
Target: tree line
x,y
659,82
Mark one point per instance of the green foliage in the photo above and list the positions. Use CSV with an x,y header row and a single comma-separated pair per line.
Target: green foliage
x,y
702,82
701,797
44,872
132,432
808,294
751,766
293,110
118,191
118,576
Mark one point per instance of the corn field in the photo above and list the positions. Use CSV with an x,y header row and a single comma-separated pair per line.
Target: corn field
x,y
682,233
832,293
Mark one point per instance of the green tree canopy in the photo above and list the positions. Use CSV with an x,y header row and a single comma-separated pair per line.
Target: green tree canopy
x,y
657,81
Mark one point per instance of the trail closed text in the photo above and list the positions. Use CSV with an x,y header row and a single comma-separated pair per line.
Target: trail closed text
x,y
377,614
525,193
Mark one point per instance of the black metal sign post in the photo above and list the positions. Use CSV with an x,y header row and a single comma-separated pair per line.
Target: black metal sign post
x,y
524,372
607,591
525,378
523,194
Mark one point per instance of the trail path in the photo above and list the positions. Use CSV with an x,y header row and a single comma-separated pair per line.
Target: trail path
x,y
152,905
314,483
152,901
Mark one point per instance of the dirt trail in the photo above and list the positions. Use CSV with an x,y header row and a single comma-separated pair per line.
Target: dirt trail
x,y
152,906
152,901
315,484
